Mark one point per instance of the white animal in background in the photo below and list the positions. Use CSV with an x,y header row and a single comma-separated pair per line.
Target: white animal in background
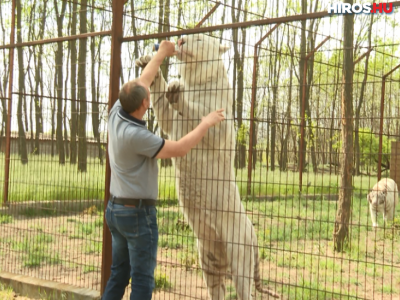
x,y
383,198
205,177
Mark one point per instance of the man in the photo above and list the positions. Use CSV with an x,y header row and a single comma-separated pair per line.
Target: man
x,y
133,152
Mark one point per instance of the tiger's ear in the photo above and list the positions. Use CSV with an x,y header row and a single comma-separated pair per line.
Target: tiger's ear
x,y
223,49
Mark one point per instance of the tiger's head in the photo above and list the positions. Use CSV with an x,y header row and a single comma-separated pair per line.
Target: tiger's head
x,y
377,197
199,47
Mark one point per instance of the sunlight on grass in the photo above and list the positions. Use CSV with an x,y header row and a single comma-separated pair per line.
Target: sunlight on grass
x,y
6,293
43,178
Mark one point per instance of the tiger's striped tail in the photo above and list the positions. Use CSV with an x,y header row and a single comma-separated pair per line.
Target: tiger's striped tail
x,y
257,277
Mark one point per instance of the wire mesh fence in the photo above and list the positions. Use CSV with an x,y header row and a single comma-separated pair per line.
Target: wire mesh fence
x,y
256,205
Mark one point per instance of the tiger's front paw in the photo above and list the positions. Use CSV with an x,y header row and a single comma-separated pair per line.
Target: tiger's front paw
x,y
173,92
143,61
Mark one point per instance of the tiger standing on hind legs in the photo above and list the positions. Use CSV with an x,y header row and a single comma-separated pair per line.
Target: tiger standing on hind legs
x,y
205,178
131,213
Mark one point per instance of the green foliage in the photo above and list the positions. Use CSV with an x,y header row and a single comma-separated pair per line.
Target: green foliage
x,y
161,280
243,134
92,247
5,219
188,259
174,232
84,229
89,268
369,147
6,292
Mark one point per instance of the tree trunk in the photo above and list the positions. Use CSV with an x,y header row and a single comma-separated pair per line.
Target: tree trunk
x,y
65,117
3,89
60,83
240,157
332,156
284,155
74,111
53,108
82,152
95,96
273,124
310,75
21,88
303,49
136,51
341,233
163,26
357,155
39,84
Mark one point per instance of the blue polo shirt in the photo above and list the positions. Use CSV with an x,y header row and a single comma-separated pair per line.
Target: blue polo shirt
x,y
132,149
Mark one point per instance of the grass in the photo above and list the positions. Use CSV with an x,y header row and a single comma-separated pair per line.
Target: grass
x,y
36,250
43,178
161,280
6,219
6,292
89,268
84,229
294,234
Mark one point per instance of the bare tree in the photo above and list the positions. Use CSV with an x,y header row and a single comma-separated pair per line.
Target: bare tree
x,y
95,95
341,233
238,78
163,26
360,103
21,88
82,153
73,82
312,32
59,83
303,49
284,148
4,84
274,74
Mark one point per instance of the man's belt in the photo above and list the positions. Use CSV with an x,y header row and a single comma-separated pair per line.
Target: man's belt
x,y
134,202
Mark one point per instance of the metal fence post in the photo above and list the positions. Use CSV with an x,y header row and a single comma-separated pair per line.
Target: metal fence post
x,y
115,72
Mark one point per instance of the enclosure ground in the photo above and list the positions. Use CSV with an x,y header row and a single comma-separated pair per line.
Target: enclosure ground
x,y
295,248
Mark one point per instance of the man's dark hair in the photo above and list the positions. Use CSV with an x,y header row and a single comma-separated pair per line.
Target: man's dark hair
x,y
131,96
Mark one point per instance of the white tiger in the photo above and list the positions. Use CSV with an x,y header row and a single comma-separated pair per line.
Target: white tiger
x,y
383,198
205,177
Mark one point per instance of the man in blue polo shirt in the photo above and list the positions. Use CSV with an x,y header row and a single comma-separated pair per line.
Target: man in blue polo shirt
x,y
133,151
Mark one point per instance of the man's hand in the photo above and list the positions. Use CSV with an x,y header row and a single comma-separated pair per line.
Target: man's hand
x,y
167,48
214,117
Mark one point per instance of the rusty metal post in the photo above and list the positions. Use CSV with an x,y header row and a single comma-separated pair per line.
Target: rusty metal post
x,y
115,72
253,99
207,15
303,111
54,40
381,120
9,110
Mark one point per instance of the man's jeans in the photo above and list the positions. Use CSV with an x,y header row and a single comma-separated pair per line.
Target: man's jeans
x,y
134,250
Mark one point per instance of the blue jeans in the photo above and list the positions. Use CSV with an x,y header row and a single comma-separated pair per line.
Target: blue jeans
x,y
134,234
